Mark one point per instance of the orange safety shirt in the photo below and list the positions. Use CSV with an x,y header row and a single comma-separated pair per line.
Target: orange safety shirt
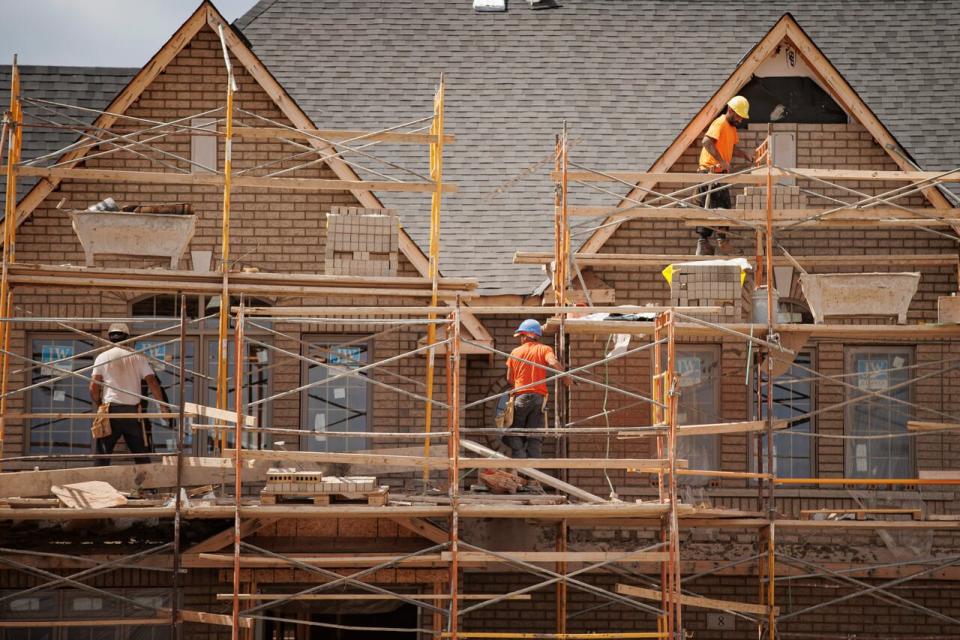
x,y
726,137
523,373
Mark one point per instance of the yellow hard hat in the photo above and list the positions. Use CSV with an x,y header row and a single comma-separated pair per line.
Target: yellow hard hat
x,y
740,106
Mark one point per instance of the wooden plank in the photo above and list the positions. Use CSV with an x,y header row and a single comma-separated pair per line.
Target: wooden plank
x,y
413,462
327,597
202,617
560,556
753,217
920,425
688,329
569,463
696,601
708,429
337,135
192,409
569,511
325,560
237,182
758,176
66,624
384,460
424,529
659,261
542,478
940,474
220,540
196,472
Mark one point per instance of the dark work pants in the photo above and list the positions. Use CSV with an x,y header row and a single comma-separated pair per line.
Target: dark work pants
x,y
719,199
130,429
527,414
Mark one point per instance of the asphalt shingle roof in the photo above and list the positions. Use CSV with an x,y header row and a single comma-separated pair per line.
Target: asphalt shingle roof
x,y
627,75
88,87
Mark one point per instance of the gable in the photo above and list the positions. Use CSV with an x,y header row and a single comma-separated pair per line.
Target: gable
x,y
785,33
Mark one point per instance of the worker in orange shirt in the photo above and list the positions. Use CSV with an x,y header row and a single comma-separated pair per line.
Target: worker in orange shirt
x,y
527,373
719,146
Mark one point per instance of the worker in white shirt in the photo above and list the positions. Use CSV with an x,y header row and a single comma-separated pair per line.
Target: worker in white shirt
x,y
117,374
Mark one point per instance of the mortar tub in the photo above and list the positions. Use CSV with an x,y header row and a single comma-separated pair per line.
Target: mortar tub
x,y
859,294
133,234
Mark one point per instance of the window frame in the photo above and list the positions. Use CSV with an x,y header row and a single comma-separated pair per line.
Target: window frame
x,y
850,352
315,340
752,446
715,439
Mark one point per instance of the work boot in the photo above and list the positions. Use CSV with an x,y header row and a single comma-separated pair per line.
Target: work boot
x,y
726,248
704,247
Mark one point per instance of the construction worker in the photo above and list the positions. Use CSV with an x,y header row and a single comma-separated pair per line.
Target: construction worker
x,y
526,372
117,374
719,146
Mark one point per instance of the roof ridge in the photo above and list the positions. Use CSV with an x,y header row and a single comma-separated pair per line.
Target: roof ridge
x,y
254,12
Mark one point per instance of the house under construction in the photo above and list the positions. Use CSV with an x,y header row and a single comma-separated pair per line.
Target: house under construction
x,y
323,224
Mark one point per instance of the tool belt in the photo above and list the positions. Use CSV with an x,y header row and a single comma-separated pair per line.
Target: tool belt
x,y
101,422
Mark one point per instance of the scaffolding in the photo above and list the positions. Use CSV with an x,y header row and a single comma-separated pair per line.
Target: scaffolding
x,y
661,598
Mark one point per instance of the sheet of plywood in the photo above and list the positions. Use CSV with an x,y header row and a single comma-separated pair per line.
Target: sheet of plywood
x,y
94,494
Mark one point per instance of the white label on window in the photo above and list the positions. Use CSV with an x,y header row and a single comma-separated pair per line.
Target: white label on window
x,y
150,601
898,362
262,356
320,425
689,368
861,455
25,604
59,395
87,604
339,393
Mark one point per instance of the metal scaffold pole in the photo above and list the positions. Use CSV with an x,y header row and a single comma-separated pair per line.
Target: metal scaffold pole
x,y
239,361
454,474
13,133
771,322
222,358
436,175
178,498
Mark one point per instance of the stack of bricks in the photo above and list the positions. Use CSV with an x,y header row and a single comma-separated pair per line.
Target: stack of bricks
x,y
709,286
784,197
362,242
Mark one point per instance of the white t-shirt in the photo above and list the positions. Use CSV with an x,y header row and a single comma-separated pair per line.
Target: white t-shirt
x,y
122,369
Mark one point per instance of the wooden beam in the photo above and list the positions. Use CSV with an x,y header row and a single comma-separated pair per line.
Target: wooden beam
x,y
919,425
716,428
220,540
659,261
424,529
799,217
945,475
324,560
539,476
759,176
269,597
337,135
238,182
193,409
196,472
696,601
414,462
689,330
560,556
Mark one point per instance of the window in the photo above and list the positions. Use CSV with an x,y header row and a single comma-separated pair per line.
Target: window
x,y
163,352
77,605
61,393
256,380
699,371
343,404
792,396
203,146
884,370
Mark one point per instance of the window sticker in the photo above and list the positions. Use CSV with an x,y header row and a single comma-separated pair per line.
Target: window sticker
x,y
873,374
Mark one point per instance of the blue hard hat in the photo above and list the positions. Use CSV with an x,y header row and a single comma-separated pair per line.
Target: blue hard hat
x,y
529,326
